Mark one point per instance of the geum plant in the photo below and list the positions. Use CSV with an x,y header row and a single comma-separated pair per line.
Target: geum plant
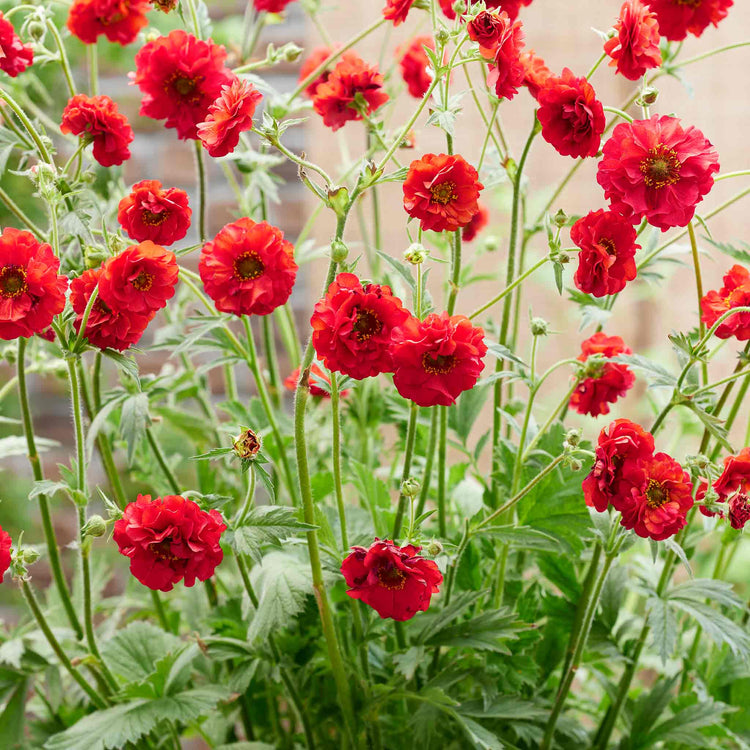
x,y
420,553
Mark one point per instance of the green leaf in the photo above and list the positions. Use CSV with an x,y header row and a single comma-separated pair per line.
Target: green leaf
x,y
13,719
134,421
649,707
663,627
47,487
682,727
656,375
483,632
502,353
125,363
480,737
265,524
134,651
522,537
401,269
15,445
741,254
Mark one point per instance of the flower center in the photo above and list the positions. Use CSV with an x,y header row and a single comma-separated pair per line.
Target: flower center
x,y
661,167
656,495
152,219
248,266
608,246
391,577
689,3
367,324
12,281
143,281
443,193
186,88
439,365
163,550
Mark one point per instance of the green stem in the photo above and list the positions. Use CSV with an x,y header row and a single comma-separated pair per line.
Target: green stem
x,y
92,59
625,116
699,290
200,167
21,115
509,288
411,435
64,64
717,51
272,361
162,461
17,211
336,419
427,478
161,613
442,454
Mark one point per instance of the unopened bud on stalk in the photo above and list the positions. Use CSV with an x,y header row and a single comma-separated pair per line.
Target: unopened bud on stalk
x,y
415,254
560,219
94,255
575,464
290,52
247,444
699,462
37,30
491,244
539,327
434,548
28,555
152,36
339,251
442,35
648,96
573,437
410,487
165,5
95,526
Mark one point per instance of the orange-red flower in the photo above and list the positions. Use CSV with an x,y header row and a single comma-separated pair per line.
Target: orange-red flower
x,y
168,540
507,72
735,477
678,18
511,7
140,279
395,581
231,114
316,382
657,169
353,325
5,545
180,77
351,80
248,268
635,47
271,6
16,56
413,62
442,192
317,57
437,359
734,293
607,259
150,213
478,222
31,291
572,117
119,20
536,72
397,10
487,29
97,119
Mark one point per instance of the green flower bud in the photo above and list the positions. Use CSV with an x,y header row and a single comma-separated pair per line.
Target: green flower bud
x,y
410,487
560,219
491,244
648,96
247,444
290,52
36,30
573,437
415,254
95,526
434,548
539,327
339,251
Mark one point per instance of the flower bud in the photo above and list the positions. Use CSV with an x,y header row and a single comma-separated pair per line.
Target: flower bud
x,y
95,526
491,244
539,327
94,256
290,52
339,251
165,5
434,548
699,462
573,437
575,464
560,219
152,35
36,30
247,444
442,37
415,254
28,555
410,487
648,96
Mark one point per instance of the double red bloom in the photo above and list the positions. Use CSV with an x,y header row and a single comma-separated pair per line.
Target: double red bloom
x,y
31,291
437,359
535,73
478,222
150,213
733,488
16,56
734,293
678,18
507,72
605,382
353,327
119,20
270,6
169,540
607,258
97,118
442,192
5,545
337,99
317,57
572,117
397,10
413,62
395,581
248,268
657,169
635,47
180,77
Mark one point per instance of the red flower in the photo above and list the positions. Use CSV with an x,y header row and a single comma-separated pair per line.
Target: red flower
x,y
658,507
150,213
97,118
635,47
700,496
442,191
535,71
437,359
106,328
169,539
31,292
270,6
395,581
487,29
739,511
657,169
15,56
119,20
507,72
5,545
165,5
478,222
248,268
607,382
447,7
734,293
180,77
678,18
606,261
231,114
413,62
397,10
621,452
140,279
336,99
511,7
317,57
317,378
353,327
735,477
572,117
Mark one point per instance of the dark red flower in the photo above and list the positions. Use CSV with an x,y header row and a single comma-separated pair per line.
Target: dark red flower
x,y
437,359
106,328
623,448
572,117
168,540
442,192
352,327
317,379
397,10
536,73
657,169
478,222
605,382
700,496
180,77
140,279
678,18
335,100
635,47
5,545
15,56
607,258
739,511
317,57
395,581
31,292
97,118
150,213
119,20
734,293
507,72
735,477
231,114
271,6
487,29
657,509
248,268
413,62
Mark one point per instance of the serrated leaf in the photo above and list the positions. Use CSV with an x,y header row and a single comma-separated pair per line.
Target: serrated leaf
x,y
663,627
265,524
741,254
522,537
484,632
434,621
15,445
134,421
125,363
656,375
503,353
47,487
400,268
134,651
